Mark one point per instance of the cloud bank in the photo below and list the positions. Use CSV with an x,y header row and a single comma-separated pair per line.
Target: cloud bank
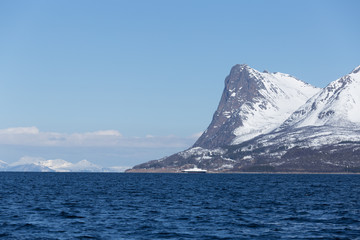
x,y
32,136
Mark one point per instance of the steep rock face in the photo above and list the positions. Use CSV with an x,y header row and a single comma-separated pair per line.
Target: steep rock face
x,y
226,118
253,103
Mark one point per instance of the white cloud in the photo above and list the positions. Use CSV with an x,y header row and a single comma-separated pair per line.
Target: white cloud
x,y
106,133
32,136
20,130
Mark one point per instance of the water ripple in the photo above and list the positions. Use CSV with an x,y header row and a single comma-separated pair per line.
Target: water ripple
x,y
178,206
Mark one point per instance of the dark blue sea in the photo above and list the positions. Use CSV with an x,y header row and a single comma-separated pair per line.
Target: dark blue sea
x,y
178,206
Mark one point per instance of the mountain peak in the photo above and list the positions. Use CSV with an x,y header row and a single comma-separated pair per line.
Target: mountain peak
x,y
248,100
239,68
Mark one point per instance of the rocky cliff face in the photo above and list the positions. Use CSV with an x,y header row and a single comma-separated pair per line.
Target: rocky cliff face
x,y
270,122
226,118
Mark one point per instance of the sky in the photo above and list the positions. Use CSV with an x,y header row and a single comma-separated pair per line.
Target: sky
x,y
122,82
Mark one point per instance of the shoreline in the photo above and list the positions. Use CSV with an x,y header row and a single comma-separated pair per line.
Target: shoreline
x,y
235,172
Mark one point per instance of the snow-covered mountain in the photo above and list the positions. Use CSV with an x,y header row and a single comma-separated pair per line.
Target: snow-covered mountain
x,y
336,105
330,118
29,164
259,132
253,103
60,165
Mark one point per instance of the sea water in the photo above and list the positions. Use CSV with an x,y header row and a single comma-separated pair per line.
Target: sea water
x,y
178,206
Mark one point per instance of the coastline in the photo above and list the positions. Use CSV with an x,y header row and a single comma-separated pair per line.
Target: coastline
x,y
176,171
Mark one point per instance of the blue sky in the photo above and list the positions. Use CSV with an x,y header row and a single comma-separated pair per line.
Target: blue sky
x,y
150,71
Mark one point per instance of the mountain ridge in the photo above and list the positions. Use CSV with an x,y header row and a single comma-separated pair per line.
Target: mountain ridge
x,y
334,105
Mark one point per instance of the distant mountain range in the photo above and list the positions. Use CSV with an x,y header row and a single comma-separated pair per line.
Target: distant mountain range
x,y
57,165
273,122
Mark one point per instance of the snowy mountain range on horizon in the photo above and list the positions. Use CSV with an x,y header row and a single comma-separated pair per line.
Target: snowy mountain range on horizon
x,y
275,122
29,164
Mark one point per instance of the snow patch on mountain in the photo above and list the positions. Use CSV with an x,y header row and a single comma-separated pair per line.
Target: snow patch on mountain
x,y
310,137
201,152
